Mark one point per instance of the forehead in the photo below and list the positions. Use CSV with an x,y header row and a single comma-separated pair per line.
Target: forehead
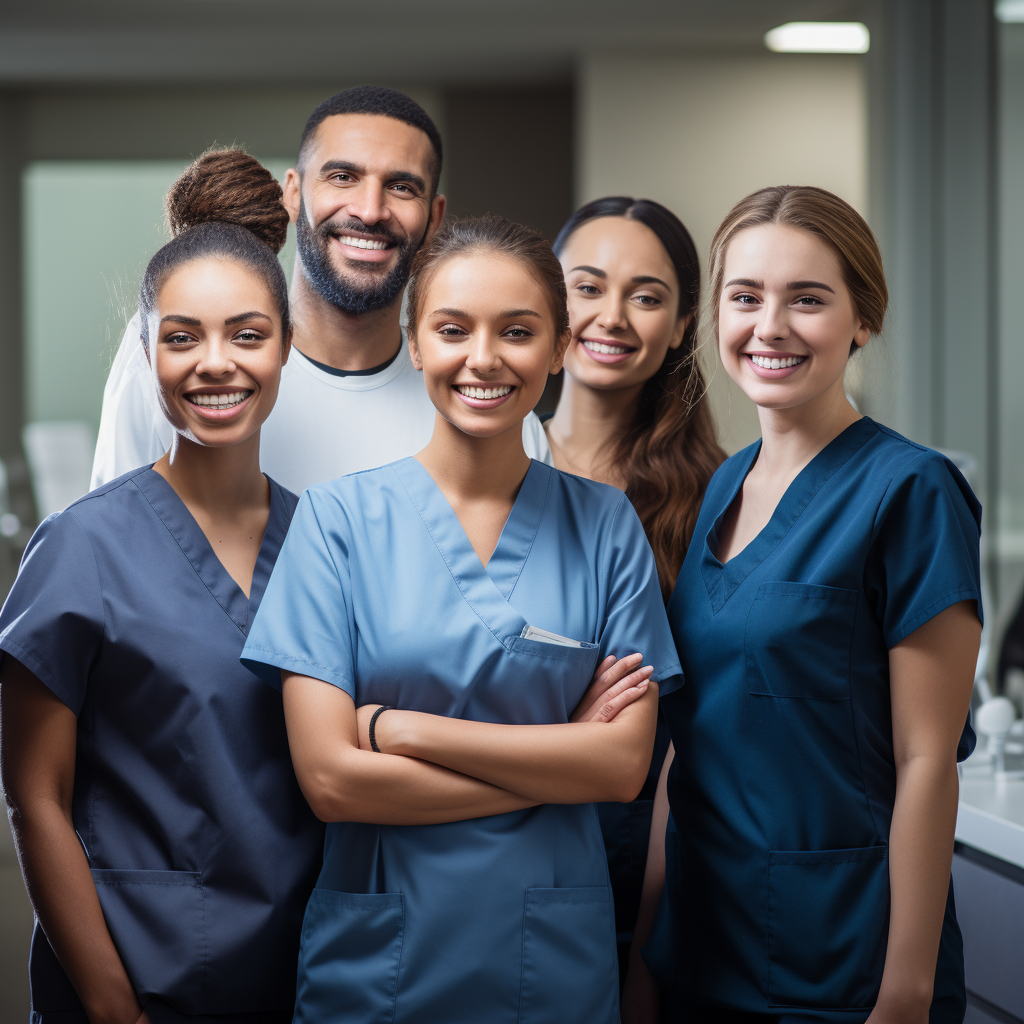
x,y
372,141
781,252
213,285
484,283
621,247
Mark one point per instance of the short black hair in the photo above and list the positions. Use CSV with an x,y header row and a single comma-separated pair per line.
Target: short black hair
x,y
376,99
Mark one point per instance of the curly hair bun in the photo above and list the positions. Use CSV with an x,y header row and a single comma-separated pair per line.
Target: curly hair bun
x,y
231,187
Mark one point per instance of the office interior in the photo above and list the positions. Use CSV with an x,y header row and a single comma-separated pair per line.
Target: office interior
x,y
544,106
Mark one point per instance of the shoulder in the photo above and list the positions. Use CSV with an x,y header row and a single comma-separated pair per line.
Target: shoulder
x,y
596,510
95,509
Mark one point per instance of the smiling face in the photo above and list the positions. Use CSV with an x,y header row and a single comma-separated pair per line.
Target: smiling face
x,y
485,340
363,206
623,303
216,350
786,318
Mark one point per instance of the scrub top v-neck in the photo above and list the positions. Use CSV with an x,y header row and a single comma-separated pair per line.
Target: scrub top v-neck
x,y
506,918
201,845
784,780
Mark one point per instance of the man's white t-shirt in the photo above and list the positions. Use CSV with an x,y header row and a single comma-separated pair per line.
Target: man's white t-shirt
x,y
324,425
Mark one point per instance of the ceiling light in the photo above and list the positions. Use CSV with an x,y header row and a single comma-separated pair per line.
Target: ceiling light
x,y
821,37
1010,10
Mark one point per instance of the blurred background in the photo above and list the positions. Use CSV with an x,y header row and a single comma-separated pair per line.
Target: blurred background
x,y
543,104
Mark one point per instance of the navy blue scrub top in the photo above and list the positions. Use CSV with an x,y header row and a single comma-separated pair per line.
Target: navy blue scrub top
x,y
202,847
782,789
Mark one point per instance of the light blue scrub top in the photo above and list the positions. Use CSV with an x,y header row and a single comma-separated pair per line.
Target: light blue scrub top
x,y
378,591
784,780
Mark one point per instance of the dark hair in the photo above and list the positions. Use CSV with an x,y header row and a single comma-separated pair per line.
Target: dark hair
x,y
497,235
228,204
669,452
825,215
375,99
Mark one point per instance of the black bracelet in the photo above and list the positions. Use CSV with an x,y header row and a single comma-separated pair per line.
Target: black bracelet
x,y
373,723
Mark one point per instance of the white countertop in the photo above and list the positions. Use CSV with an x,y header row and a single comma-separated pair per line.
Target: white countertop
x,y
991,814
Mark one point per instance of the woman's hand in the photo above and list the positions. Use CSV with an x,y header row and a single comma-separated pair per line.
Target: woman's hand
x,y
617,683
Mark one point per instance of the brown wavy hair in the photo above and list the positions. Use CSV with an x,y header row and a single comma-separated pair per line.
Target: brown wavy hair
x,y
669,452
824,215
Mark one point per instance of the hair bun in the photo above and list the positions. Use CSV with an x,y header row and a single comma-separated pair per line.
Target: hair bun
x,y
231,187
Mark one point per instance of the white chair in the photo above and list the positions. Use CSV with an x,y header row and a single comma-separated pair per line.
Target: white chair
x,y
59,455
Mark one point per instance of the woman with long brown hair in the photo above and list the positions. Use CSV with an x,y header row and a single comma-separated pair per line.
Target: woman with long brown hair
x,y
633,413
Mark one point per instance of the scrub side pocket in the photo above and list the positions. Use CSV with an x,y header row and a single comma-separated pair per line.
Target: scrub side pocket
x,y
157,922
797,641
349,957
828,923
568,940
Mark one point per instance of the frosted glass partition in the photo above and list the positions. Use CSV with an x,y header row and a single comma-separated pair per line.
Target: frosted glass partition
x,y
89,227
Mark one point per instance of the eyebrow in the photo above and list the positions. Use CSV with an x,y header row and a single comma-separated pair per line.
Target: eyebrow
x,y
506,314
254,314
792,286
642,279
180,319
347,165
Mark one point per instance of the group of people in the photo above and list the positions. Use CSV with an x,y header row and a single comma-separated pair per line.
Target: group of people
x,y
600,721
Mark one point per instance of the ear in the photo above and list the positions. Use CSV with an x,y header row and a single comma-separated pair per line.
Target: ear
x,y
679,331
862,335
414,349
292,193
438,206
558,356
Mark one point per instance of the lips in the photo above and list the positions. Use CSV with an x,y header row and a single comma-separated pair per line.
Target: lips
x,y
223,403
604,351
484,397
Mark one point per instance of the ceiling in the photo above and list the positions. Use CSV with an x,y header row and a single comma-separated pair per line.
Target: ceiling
x,y
245,41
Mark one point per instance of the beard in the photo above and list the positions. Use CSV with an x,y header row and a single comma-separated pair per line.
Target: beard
x,y
347,294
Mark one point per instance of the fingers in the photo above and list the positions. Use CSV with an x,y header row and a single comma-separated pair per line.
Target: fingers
x,y
630,689
607,675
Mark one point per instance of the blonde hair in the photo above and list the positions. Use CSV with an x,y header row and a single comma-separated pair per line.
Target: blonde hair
x,y
824,215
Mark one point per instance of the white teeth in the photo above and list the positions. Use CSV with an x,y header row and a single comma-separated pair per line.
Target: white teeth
x,y
775,363
219,401
610,350
481,393
362,243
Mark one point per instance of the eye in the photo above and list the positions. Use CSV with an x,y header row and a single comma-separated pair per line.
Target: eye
x,y
517,333
647,300
453,331
249,334
809,300
341,176
745,299
179,338
402,187
588,289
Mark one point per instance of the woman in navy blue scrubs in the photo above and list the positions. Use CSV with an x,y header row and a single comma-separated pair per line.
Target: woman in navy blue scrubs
x,y
165,844
633,412
827,619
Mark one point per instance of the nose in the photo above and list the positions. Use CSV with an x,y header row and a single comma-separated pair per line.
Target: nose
x,y
483,357
612,315
772,323
368,203
215,359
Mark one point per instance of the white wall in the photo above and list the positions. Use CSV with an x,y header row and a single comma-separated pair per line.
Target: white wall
x,y
697,133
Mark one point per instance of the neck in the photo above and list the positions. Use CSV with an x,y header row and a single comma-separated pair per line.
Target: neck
x,y
588,423
346,341
470,468
219,482
790,438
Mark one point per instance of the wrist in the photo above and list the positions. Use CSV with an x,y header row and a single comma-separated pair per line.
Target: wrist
x,y
113,1007
393,732
905,1002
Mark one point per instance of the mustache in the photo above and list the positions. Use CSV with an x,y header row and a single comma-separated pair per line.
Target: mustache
x,y
378,233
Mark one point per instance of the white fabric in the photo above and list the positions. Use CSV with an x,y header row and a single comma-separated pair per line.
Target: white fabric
x,y
323,425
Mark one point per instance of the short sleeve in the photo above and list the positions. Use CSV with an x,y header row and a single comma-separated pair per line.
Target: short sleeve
x,y
925,553
635,617
304,623
52,620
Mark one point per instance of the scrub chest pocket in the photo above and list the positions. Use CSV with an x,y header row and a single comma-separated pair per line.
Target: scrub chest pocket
x,y
797,641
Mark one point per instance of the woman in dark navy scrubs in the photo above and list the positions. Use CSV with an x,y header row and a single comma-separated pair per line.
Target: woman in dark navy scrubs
x,y
633,412
165,844
827,618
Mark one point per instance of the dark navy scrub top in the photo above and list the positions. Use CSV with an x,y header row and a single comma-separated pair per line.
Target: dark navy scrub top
x,y
784,779
202,848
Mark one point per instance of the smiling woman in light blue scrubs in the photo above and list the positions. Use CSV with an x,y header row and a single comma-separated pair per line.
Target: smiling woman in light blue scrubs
x,y
437,624
166,846
827,617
